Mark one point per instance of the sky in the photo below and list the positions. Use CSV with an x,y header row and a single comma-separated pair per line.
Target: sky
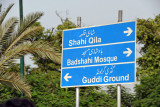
x,y
93,12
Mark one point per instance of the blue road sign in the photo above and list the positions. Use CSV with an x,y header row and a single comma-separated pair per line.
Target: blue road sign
x,y
99,55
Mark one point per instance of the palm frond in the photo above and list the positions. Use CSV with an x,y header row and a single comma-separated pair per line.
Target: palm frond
x,y
7,29
16,44
42,49
13,79
4,14
25,25
45,50
28,21
23,37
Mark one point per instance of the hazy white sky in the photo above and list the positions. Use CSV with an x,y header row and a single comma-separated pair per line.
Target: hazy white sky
x,y
93,12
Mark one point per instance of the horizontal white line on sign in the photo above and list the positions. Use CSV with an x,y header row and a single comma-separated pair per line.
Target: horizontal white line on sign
x,y
98,45
98,65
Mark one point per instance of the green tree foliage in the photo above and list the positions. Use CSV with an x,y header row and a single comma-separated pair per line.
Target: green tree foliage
x,y
148,35
7,93
96,98
148,72
148,91
127,98
46,92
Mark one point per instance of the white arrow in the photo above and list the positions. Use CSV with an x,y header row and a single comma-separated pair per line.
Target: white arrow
x,y
129,31
128,52
66,77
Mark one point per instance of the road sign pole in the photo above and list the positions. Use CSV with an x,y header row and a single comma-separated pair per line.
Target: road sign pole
x,y
78,88
118,95
120,15
119,85
77,96
22,57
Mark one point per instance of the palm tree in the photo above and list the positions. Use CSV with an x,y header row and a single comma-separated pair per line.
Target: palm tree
x,y
15,42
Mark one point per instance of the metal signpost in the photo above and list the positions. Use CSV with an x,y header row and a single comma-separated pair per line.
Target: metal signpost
x,y
119,85
78,88
22,57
